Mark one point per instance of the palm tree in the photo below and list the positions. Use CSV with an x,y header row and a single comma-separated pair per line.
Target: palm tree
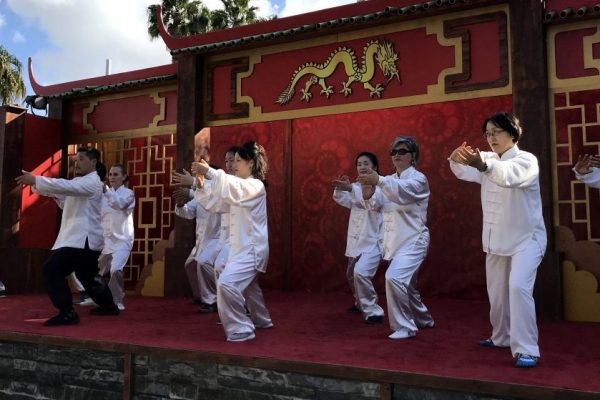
x,y
12,86
181,18
234,13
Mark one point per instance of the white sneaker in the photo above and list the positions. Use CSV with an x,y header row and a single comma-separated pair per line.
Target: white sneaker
x,y
241,337
402,334
88,302
120,306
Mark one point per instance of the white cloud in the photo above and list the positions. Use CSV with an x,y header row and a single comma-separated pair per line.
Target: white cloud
x,y
81,34
18,37
293,7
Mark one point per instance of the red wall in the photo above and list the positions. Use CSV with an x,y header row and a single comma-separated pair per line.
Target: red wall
x,y
41,154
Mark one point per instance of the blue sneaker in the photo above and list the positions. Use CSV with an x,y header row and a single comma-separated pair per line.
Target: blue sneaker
x,y
526,361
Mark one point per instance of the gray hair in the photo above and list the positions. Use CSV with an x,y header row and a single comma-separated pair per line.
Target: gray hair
x,y
411,145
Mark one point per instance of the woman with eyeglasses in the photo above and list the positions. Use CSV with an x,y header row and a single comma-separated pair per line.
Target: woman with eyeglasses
x,y
363,244
514,235
403,198
587,170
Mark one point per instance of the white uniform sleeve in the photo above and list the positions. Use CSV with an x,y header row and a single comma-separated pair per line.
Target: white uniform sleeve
x,y
187,211
349,199
120,199
404,191
592,179
465,172
86,186
519,172
205,198
236,191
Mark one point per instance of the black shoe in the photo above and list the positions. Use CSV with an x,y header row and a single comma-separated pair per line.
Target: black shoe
x,y
63,318
105,311
374,319
354,310
2,293
208,308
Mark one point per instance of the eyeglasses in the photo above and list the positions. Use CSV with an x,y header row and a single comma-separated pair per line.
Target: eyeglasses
x,y
401,152
492,133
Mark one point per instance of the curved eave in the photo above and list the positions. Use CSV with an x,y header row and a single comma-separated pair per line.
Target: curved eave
x,y
96,90
331,18
570,14
107,82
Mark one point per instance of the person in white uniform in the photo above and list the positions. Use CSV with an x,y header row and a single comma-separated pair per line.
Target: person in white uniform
x,y
587,170
244,196
117,225
514,235
364,240
199,265
403,198
79,240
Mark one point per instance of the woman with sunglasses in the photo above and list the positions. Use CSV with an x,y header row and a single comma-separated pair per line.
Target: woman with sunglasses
x,y
514,235
403,198
363,244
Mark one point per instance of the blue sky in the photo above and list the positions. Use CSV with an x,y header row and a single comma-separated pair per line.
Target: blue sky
x,y
71,39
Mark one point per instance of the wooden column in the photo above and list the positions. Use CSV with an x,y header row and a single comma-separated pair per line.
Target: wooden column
x,y
189,122
530,102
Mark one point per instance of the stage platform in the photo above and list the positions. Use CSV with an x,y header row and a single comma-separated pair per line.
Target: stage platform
x,y
160,347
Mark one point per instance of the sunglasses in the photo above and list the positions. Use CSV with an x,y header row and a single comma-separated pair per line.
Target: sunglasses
x,y
399,152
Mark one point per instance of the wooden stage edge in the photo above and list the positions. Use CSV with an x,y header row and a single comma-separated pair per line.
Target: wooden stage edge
x,y
380,376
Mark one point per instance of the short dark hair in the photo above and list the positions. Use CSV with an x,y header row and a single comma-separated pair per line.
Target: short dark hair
x,y
506,121
371,157
93,154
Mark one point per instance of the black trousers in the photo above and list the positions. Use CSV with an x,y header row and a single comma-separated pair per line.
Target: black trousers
x,y
84,262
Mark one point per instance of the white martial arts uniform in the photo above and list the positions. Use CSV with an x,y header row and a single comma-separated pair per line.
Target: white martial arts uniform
x,y
404,200
199,265
514,238
238,289
117,226
592,179
363,249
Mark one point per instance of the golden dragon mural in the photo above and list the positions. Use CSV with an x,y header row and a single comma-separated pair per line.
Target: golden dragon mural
x,y
373,51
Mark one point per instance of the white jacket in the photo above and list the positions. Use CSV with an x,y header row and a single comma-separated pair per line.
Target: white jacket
x,y
592,179
81,209
364,226
208,225
246,201
117,219
510,199
403,200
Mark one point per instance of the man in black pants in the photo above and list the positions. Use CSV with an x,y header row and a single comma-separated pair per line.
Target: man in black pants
x,y
79,240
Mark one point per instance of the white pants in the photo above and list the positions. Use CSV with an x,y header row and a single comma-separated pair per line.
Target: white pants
x,y
405,308
238,289
221,260
364,268
201,274
114,263
2,287
510,281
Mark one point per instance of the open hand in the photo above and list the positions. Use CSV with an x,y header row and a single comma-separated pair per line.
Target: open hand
x,y
342,183
26,179
183,179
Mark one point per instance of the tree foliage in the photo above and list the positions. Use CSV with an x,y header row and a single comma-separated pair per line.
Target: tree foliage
x,y
12,87
191,17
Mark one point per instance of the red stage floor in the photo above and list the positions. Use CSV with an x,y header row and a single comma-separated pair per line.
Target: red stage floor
x,y
315,328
